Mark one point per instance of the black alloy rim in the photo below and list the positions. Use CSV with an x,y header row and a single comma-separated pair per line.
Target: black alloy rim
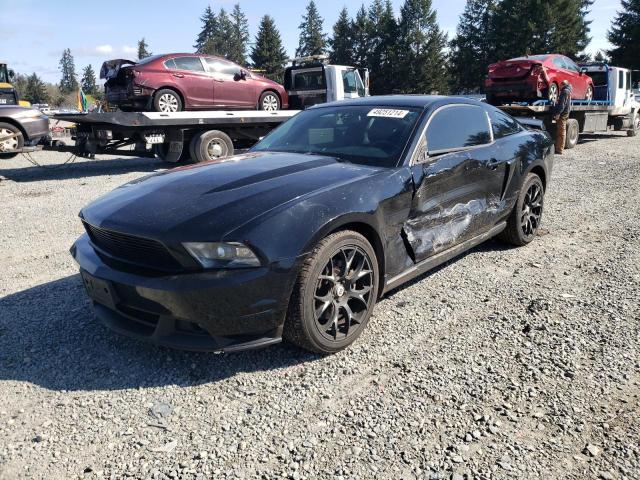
x,y
531,210
343,294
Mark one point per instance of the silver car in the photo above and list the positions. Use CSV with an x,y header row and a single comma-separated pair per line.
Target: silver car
x,y
20,126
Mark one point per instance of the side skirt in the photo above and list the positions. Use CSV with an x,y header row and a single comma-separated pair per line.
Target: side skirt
x,y
439,258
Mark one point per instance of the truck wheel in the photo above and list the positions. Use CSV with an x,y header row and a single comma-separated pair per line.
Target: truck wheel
x,y
211,145
573,131
13,140
171,152
269,102
167,101
636,126
334,294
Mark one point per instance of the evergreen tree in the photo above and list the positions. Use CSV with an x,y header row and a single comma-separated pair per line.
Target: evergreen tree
x,y
68,83
143,51
624,35
422,64
342,43
383,42
88,81
267,53
471,51
600,57
20,84
35,91
360,32
530,26
218,43
237,42
209,26
312,40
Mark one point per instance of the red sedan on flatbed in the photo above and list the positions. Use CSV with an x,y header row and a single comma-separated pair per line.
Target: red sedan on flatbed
x,y
188,81
535,77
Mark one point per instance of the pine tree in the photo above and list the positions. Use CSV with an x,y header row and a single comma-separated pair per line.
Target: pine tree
x,y
312,40
143,51
342,43
240,36
600,57
530,26
422,66
209,26
624,35
68,83
383,40
267,53
471,51
88,81
361,42
218,43
35,91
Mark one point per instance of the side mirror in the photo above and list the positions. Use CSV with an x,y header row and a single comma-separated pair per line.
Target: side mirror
x,y
583,70
241,75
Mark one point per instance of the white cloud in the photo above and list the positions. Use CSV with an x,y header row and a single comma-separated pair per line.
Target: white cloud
x,y
129,49
104,49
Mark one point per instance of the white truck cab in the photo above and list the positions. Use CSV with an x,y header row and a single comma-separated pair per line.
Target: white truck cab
x,y
612,85
312,80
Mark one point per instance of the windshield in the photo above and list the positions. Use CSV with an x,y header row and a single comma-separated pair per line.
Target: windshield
x,y
148,59
369,135
536,58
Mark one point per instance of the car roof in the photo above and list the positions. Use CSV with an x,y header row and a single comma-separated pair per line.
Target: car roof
x,y
407,101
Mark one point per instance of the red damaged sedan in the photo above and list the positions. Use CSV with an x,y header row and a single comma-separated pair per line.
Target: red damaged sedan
x,y
187,81
535,77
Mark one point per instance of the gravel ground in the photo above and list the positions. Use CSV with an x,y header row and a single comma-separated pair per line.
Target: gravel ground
x,y
505,363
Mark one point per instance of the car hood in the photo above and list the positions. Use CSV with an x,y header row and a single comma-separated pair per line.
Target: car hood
x,y
206,201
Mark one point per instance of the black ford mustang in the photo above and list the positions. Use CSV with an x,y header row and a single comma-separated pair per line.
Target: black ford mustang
x,y
299,237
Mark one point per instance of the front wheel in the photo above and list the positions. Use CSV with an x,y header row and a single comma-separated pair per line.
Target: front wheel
x,y
552,93
10,139
524,221
269,102
334,295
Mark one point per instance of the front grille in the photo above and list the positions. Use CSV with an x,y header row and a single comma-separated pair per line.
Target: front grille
x,y
134,249
7,97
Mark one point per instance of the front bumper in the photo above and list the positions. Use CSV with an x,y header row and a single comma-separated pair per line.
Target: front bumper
x,y
225,310
515,90
134,97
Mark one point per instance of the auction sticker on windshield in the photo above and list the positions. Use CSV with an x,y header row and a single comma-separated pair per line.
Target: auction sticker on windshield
x,y
387,112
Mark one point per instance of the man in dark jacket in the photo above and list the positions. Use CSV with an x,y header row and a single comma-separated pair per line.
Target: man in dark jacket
x,y
560,113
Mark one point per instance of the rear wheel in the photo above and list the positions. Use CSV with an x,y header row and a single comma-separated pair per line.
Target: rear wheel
x,y
552,93
211,145
524,220
573,132
334,295
10,139
167,101
269,102
589,94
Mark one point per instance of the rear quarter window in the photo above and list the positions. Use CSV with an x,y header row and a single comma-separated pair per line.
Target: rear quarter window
x,y
502,124
457,127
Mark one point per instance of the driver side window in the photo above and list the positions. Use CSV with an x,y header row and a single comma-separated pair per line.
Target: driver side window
x,y
457,127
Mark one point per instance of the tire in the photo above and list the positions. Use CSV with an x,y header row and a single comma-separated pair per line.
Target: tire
x,y
14,143
269,101
319,332
162,151
573,132
516,233
553,93
589,94
636,126
210,146
167,101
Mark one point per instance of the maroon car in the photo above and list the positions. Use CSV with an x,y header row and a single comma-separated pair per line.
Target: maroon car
x,y
187,81
535,77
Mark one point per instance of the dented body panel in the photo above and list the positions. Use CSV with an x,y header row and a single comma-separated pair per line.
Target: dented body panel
x,y
416,214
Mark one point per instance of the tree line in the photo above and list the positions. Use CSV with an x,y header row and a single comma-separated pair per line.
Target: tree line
x,y
405,53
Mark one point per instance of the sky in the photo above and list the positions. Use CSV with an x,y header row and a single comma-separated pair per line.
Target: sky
x,y
34,33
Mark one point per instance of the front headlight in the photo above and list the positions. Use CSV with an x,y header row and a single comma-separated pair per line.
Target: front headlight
x,y
222,255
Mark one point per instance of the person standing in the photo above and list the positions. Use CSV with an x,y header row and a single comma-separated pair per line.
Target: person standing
x,y
560,112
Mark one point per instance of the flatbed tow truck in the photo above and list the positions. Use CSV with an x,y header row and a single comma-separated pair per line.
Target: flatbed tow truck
x,y
199,136
613,106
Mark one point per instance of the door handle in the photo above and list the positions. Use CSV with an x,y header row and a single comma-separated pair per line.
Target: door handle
x,y
218,80
178,75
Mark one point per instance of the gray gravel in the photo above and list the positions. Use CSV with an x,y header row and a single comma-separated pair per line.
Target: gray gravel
x,y
506,363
